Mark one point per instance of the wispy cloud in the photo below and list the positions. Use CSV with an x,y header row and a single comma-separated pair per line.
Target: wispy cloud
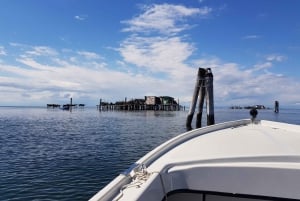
x,y
162,50
268,63
89,55
251,37
41,51
2,51
262,66
262,15
275,57
163,18
81,17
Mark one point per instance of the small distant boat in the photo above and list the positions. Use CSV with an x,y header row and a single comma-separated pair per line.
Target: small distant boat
x,y
239,160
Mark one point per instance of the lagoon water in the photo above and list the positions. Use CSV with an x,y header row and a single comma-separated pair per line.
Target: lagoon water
x,y
51,154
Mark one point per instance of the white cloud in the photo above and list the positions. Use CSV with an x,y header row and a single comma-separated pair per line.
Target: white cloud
x,y
161,51
262,66
164,18
89,55
156,54
237,86
50,82
13,44
156,63
268,63
2,51
40,84
29,50
251,37
81,17
41,51
275,57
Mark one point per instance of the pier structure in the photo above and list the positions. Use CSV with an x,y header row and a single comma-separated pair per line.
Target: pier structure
x,y
53,106
68,106
258,107
165,103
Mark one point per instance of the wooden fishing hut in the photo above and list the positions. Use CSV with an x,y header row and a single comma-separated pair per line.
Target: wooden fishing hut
x,y
166,103
152,102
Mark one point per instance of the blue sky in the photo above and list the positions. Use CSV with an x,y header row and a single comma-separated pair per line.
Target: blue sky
x,y
53,50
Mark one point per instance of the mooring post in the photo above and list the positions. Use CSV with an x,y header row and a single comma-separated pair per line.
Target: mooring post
x,y
194,101
100,104
203,90
209,97
70,108
201,98
276,110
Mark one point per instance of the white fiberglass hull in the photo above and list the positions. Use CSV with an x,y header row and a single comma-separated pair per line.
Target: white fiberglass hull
x,y
234,160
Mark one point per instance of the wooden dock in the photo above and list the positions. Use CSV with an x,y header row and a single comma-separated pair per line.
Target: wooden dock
x,y
53,106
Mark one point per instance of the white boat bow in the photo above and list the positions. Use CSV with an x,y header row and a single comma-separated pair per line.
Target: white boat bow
x,y
237,160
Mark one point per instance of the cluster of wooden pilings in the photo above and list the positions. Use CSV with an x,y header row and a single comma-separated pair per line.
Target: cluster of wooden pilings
x,y
141,104
204,91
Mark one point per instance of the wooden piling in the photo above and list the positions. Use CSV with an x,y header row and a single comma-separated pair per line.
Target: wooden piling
x,y
100,104
70,108
201,98
209,97
194,101
203,90
276,108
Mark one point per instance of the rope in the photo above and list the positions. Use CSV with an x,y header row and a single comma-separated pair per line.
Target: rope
x,y
138,179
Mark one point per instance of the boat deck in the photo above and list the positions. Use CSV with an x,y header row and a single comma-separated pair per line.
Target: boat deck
x,y
253,140
231,161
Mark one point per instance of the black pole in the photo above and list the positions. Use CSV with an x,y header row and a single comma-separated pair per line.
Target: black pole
x,y
209,97
276,110
100,104
201,98
70,108
194,101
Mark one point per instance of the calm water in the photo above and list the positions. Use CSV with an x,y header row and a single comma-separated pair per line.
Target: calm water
x,y
58,155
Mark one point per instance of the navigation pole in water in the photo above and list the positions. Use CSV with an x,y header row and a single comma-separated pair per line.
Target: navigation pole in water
x,y
276,108
204,91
